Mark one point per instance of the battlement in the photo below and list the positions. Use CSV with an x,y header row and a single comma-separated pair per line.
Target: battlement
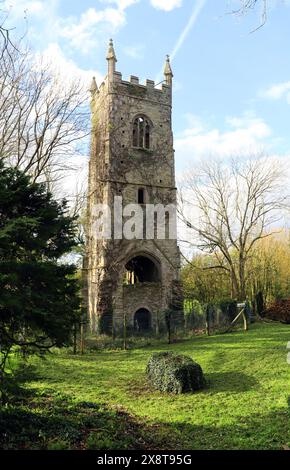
x,y
133,87
117,78
114,83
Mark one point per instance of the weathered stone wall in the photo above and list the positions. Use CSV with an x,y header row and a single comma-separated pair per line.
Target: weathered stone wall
x,y
145,295
118,169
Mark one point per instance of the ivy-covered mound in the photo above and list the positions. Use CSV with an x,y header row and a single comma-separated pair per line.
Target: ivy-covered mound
x,y
174,373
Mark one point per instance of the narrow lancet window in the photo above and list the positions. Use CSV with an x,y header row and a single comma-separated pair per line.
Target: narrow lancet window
x,y
141,132
135,133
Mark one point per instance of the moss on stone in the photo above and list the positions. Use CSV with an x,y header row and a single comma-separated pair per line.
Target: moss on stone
x,y
169,372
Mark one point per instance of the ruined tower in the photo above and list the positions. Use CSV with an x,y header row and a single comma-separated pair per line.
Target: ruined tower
x,y
134,281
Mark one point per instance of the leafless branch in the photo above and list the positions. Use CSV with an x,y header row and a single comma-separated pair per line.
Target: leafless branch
x,y
247,5
43,120
235,205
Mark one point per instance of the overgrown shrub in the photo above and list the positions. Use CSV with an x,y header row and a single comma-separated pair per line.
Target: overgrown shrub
x,y
278,311
174,373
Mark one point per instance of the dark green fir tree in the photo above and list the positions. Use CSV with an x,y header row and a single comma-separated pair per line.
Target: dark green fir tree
x,y
39,299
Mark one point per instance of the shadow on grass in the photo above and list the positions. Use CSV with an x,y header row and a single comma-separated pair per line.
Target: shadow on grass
x,y
230,382
14,381
258,431
233,382
55,422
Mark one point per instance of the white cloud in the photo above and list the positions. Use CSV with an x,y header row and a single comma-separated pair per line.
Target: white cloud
x,y
277,91
245,134
121,4
82,33
195,125
53,55
77,167
166,5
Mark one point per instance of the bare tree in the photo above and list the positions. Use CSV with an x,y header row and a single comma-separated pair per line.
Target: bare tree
x,y
5,39
43,117
248,5
234,205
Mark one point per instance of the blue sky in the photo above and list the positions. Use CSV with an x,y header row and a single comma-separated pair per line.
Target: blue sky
x,y
231,88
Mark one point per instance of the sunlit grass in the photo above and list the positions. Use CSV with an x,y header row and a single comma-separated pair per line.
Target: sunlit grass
x,y
245,405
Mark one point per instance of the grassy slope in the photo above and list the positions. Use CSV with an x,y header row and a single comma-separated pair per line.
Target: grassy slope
x,y
244,407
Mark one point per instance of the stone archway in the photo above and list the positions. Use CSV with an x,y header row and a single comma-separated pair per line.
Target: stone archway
x,y
140,269
142,320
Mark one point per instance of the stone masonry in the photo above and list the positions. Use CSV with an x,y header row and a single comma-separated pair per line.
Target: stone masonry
x,y
130,282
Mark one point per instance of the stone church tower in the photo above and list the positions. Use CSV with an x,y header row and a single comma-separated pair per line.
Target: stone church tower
x,y
131,282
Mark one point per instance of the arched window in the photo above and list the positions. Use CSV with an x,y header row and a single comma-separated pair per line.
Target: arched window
x,y
141,132
141,269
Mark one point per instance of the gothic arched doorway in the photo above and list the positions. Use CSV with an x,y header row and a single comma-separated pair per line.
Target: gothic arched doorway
x,y
140,269
142,320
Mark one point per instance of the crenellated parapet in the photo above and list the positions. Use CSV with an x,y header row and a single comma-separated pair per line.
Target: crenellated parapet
x,y
114,83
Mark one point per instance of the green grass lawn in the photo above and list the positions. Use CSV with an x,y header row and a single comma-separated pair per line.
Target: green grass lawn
x,y
245,405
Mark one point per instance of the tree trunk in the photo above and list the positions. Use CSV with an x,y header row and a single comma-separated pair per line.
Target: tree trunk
x,y
242,293
235,284
125,331
75,339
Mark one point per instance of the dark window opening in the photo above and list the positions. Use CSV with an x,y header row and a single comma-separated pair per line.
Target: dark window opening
x,y
141,269
142,320
147,136
167,215
141,196
135,135
155,225
141,133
